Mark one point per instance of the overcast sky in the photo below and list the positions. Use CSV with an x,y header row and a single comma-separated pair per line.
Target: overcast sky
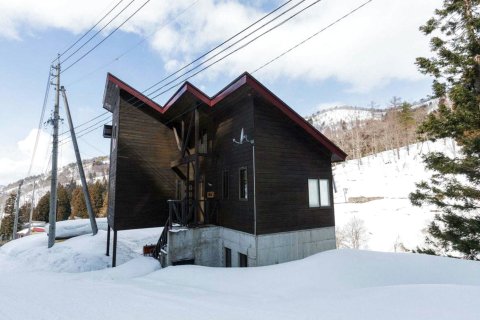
x,y
367,57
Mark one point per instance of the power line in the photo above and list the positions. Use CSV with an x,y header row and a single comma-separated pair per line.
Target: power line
x,y
312,36
230,53
197,59
67,139
272,60
134,46
89,30
86,122
98,32
108,36
224,42
40,123
85,133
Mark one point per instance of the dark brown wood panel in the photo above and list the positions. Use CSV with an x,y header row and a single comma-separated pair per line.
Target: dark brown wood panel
x,y
143,180
286,158
229,117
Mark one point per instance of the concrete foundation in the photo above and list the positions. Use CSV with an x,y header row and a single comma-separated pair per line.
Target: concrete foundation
x,y
206,245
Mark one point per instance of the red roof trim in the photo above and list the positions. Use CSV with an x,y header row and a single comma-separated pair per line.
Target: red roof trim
x,y
187,87
289,112
245,78
122,85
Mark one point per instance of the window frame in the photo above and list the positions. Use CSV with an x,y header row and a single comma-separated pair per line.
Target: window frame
x,y
319,191
240,184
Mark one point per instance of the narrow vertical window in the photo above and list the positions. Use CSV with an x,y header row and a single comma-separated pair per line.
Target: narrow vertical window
x,y
228,257
225,184
313,200
243,183
324,192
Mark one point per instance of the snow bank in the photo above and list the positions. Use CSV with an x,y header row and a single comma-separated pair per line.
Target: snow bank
x,y
78,254
72,228
339,284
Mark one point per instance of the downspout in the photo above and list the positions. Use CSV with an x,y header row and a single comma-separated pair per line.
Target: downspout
x,y
255,207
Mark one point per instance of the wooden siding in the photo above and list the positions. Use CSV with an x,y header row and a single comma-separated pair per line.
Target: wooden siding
x,y
286,158
229,119
142,178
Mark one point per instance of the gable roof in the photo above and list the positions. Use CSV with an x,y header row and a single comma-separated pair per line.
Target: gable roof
x,y
244,79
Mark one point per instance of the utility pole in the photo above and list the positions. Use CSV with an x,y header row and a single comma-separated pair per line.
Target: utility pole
x,y
31,209
52,216
17,208
86,194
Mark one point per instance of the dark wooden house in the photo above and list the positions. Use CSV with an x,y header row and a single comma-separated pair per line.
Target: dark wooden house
x,y
237,179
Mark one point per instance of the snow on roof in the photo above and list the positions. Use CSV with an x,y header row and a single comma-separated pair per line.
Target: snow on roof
x,y
23,231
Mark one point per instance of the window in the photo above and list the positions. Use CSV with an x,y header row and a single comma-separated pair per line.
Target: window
x,y
225,184
228,257
203,143
243,260
243,183
318,193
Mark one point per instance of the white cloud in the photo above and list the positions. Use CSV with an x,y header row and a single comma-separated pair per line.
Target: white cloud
x,y
369,49
15,164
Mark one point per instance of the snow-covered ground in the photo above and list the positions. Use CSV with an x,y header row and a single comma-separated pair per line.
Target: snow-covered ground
x,y
71,281
391,219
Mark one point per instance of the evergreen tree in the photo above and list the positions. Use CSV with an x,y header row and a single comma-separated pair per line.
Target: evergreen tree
x,y
42,210
24,214
64,209
97,191
79,208
455,186
6,229
9,207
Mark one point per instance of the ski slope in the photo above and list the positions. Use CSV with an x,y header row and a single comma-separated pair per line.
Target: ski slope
x,y
391,219
72,281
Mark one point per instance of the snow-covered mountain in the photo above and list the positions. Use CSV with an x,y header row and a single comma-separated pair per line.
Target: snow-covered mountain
x,y
332,117
95,168
348,115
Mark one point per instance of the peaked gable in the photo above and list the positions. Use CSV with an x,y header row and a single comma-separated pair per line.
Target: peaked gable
x,y
244,79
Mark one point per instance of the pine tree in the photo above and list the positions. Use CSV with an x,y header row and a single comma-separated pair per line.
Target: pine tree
x,y
79,208
64,209
97,191
455,186
24,214
42,210
6,229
